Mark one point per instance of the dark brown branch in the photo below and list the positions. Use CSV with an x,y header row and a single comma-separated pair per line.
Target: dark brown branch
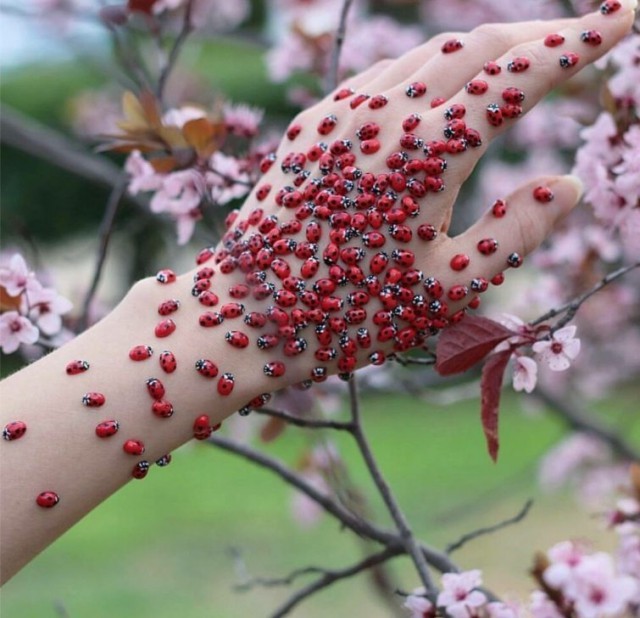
x,y
414,360
398,516
304,422
571,308
580,421
274,582
28,135
465,538
331,577
332,75
106,227
185,31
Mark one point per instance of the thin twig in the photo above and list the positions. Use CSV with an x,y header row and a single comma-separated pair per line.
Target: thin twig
x,y
332,74
303,422
465,538
331,577
580,421
400,520
572,307
414,360
274,582
106,227
187,28
230,179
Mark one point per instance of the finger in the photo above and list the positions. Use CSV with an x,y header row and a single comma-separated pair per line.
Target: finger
x,y
508,232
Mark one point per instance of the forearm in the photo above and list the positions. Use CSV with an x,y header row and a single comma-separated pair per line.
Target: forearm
x,y
61,452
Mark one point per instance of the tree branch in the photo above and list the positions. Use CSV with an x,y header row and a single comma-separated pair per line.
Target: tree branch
x,y
332,75
303,422
400,520
465,538
331,577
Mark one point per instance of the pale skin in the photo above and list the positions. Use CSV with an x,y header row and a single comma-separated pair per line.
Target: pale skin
x,y
61,452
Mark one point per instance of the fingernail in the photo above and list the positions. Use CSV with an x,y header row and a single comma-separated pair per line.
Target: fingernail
x,y
576,183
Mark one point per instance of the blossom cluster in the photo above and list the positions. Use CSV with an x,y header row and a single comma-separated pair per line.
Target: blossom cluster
x,y
27,308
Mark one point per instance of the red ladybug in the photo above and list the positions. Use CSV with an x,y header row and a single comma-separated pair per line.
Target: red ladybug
x,y
514,260
476,87
274,369
206,368
610,6
318,374
518,65
202,427
140,353
165,460
511,111
208,299
416,89
262,192
168,307
437,101
295,346
327,124
403,257
210,319
494,115
498,279
433,287
200,286
377,358
553,40
168,362
205,255
473,138
568,60
370,146
165,276
543,194
155,388
239,291
355,316
457,292
140,470
162,408
107,429
165,328
378,101
479,284
452,45
487,246
343,93
237,339
459,261
93,400
492,68
133,447
47,499
499,209
293,131
410,123
513,95
226,384
14,430
76,366
401,233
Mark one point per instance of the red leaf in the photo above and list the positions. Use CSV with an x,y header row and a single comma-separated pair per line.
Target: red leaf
x,y
491,387
461,346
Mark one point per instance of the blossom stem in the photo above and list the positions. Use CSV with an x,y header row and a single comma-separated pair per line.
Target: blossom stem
x,y
332,75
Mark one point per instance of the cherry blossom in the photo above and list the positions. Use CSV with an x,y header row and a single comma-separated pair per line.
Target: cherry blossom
x,y
418,605
243,120
142,175
541,606
565,557
560,350
503,610
16,329
226,179
16,278
178,117
459,597
525,374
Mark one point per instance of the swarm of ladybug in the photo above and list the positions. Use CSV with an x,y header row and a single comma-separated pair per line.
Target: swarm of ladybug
x,y
333,266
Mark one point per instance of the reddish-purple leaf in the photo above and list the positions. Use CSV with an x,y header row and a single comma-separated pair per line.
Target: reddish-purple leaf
x,y
461,346
490,388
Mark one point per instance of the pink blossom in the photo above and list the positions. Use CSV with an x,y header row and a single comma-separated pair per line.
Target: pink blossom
x,y
16,278
458,596
503,610
46,306
565,557
419,605
242,119
14,330
560,350
525,374
628,557
143,176
626,517
543,607
289,56
227,180
597,590
625,56
178,117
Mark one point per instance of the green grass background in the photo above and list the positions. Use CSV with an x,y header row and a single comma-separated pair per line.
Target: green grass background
x,y
160,548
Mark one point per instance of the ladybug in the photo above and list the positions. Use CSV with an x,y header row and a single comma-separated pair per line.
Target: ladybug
x,y
162,408
165,328
553,40
93,400
165,276
494,115
437,101
410,123
543,194
412,277
403,257
514,260
438,307
491,68
513,95
355,316
133,447
208,299
107,429
473,138
568,60
487,246
499,209
318,374
401,233
295,346
386,333
202,427
204,255
369,146
378,101
204,273
457,110
476,87
262,192
358,299
416,188
267,162
274,369
210,319
434,166
609,6
237,339
327,124
378,263
47,499
455,129
452,45
346,364
518,65
200,286
76,366
163,461
232,310
284,298
457,292
292,132
377,358
155,388
591,37
139,353
206,368
140,470
340,147
456,146
433,287
352,255
363,337
168,307
479,284
410,141
343,93
498,279
459,261
358,100
397,160
226,384
255,319
14,430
